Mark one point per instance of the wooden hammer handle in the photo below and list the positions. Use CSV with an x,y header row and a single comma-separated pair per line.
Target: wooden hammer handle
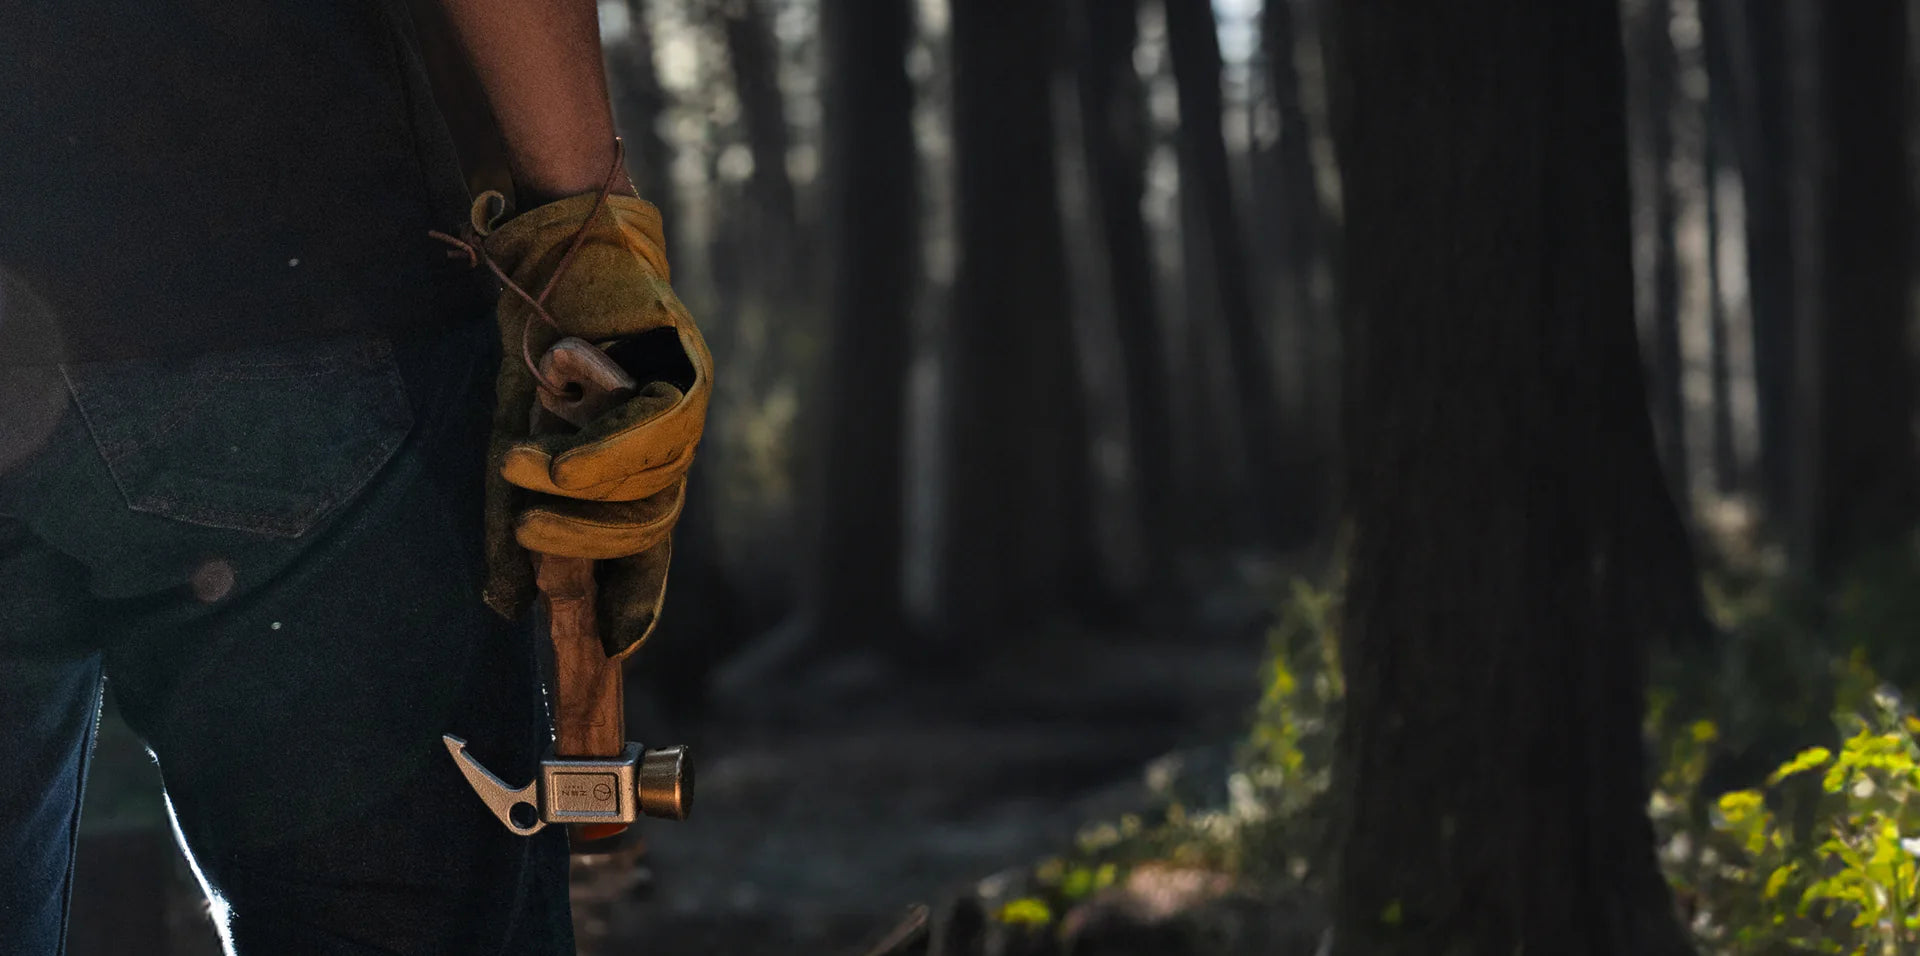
x,y
588,714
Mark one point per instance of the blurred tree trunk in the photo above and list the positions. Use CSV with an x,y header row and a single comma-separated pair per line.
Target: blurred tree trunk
x,y
754,57
1115,138
1727,476
1193,40
1209,475
1755,79
1657,90
1015,512
1302,220
1864,487
1728,473
872,215
1513,547
1303,234
638,103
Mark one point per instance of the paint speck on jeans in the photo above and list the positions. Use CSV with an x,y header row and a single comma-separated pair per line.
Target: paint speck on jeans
x,y
211,581
275,625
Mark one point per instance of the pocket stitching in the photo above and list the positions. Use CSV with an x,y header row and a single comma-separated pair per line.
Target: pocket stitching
x,y
291,524
116,448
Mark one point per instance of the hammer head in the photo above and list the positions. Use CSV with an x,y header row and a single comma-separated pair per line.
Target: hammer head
x,y
654,783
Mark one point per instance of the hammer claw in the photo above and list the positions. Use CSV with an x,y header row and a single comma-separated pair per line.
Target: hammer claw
x,y
502,799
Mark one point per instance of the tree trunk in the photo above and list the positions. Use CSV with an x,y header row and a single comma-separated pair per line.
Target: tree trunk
x,y
1757,83
1657,89
1728,478
1014,514
1211,479
1865,486
1114,131
1303,233
1302,224
872,213
638,103
1193,40
754,57
1513,545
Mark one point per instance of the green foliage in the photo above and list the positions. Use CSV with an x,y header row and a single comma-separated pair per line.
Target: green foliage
x,y
1026,911
1288,757
1785,768
1814,859
1815,850
1273,819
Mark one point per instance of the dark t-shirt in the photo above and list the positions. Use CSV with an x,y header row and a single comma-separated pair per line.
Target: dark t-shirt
x,y
188,175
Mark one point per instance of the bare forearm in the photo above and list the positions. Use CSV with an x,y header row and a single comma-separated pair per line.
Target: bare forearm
x,y
539,63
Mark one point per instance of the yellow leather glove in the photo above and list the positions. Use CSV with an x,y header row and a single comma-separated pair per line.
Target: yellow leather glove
x,y
596,268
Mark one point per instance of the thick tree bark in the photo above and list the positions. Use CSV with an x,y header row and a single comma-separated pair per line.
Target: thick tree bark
x,y
1015,506
1865,487
1114,132
1513,545
872,214
1194,42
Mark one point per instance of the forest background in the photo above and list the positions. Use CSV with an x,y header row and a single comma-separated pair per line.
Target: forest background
x,y
1517,397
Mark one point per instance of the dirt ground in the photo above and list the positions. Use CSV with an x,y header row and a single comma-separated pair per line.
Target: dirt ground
x,y
816,826
826,802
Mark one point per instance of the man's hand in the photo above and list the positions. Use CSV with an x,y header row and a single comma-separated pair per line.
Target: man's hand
x,y
594,267
586,259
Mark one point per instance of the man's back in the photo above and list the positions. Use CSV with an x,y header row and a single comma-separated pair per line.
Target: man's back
x,y
184,175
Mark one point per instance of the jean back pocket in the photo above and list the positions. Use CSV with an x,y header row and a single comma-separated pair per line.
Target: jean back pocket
x,y
267,440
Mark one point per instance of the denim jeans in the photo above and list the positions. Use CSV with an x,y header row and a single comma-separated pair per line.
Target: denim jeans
x,y
273,555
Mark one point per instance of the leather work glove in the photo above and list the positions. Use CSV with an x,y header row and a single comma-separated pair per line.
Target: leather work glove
x,y
592,266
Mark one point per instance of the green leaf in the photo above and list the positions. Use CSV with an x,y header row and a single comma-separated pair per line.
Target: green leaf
x,y
1026,911
1836,778
1807,759
1704,732
1739,806
1778,881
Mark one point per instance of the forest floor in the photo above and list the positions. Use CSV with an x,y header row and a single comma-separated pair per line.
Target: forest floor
x,y
826,804
821,816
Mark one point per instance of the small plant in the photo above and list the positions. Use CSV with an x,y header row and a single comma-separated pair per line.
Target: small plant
x,y
1266,832
1286,764
1821,857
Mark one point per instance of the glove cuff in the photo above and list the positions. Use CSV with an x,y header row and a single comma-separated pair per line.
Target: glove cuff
x,y
544,233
